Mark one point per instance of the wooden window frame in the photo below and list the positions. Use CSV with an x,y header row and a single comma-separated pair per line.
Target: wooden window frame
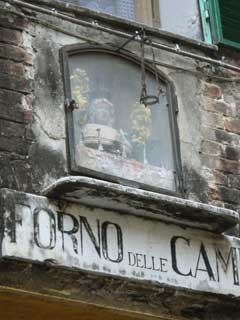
x,y
148,12
65,53
212,24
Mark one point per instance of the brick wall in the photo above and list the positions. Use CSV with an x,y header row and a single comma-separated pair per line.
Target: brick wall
x,y
15,101
220,148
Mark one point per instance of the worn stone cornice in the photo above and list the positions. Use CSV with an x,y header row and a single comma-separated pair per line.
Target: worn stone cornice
x,y
107,195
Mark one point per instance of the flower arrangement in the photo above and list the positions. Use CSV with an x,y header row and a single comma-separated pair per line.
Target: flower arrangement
x,y
80,92
141,123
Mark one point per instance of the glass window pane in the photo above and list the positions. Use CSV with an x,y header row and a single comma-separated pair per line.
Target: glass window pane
x,y
107,6
115,134
180,17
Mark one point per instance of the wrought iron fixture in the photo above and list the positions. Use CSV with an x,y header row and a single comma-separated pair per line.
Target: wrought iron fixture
x,y
145,97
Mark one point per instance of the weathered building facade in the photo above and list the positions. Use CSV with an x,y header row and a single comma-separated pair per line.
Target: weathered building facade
x,y
74,165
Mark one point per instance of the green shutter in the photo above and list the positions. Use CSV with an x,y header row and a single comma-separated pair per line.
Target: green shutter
x,y
225,21
205,18
221,21
230,19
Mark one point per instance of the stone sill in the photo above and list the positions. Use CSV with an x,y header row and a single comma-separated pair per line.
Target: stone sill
x,y
121,23
151,205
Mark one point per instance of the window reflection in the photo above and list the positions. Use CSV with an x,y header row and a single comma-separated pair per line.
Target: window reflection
x,y
115,134
180,17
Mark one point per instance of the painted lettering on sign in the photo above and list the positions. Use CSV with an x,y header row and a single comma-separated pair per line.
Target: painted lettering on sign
x,y
80,228
122,245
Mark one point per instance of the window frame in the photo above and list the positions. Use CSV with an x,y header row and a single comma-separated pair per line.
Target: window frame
x,y
75,169
212,24
218,36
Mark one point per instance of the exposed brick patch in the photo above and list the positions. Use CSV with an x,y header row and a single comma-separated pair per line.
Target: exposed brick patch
x,y
220,147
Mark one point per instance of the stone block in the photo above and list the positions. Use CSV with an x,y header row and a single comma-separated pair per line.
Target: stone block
x,y
220,178
10,36
16,145
227,166
234,181
221,136
14,22
15,83
232,153
229,194
214,194
10,98
29,133
224,137
212,120
208,133
14,173
28,116
211,148
212,90
11,107
22,177
222,107
12,68
11,129
7,177
232,126
217,106
15,54
208,161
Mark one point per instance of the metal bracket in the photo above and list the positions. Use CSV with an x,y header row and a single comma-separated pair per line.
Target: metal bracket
x,y
70,104
136,35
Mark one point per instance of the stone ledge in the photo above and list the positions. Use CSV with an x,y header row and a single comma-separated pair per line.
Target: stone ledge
x,y
169,209
105,293
121,23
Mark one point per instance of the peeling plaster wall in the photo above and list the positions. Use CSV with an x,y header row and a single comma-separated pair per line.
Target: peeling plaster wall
x,y
207,119
49,154
33,148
